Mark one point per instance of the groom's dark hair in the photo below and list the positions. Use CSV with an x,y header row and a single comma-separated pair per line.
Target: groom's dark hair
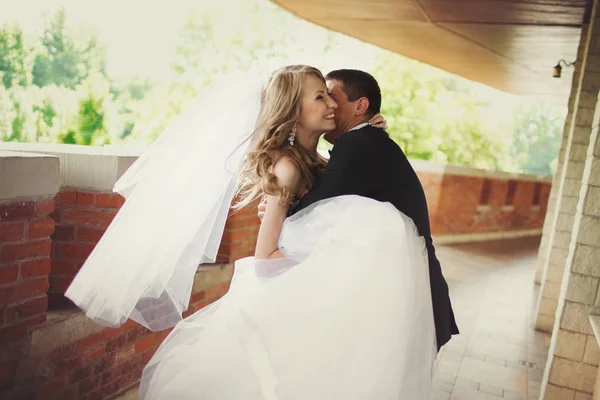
x,y
357,84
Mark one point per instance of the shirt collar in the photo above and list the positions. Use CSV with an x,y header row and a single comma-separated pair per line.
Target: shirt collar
x,y
359,126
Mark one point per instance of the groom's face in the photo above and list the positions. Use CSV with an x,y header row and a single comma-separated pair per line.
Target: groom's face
x,y
344,112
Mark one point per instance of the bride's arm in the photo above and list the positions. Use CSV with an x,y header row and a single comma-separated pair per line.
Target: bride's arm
x,y
267,245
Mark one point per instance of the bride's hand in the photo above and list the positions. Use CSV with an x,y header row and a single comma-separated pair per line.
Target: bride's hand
x,y
378,121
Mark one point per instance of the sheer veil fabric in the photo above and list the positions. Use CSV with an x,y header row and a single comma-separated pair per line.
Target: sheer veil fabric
x,y
177,198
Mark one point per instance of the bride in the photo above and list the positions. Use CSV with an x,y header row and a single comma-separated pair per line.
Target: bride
x,y
335,304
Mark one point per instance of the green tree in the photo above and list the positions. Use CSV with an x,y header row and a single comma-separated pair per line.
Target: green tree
x,y
7,115
32,114
55,112
97,120
16,57
249,36
55,89
134,87
68,54
434,116
538,129
22,125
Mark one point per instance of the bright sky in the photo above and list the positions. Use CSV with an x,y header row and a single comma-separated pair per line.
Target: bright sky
x,y
141,34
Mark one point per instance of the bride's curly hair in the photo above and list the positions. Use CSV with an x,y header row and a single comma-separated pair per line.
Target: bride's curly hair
x,y
280,109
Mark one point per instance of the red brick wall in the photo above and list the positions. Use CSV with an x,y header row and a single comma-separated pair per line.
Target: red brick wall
x,y
239,237
25,228
32,265
454,204
106,362
82,218
97,366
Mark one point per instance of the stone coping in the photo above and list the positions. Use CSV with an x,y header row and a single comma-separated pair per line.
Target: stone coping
x,y
84,167
28,175
108,150
453,169
98,168
64,327
484,236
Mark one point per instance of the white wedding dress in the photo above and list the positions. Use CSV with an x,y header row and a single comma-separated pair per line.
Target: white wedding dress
x,y
347,315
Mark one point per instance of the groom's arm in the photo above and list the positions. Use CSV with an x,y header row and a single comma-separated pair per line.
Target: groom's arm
x,y
349,171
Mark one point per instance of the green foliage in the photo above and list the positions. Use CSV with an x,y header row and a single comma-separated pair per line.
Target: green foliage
x,y
538,129
15,61
245,38
7,114
433,115
253,35
55,89
134,88
97,116
68,55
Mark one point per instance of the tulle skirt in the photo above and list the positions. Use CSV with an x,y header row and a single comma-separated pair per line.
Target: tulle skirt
x,y
346,315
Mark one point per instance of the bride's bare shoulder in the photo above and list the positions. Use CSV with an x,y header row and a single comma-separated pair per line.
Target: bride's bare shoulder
x,y
287,172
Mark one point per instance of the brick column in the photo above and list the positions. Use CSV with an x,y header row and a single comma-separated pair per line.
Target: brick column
x,y
573,357
27,185
559,235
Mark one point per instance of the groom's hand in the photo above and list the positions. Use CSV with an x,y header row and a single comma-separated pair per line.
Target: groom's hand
x,y
262,207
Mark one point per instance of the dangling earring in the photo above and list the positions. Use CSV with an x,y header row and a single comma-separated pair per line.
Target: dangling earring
x,y
292,136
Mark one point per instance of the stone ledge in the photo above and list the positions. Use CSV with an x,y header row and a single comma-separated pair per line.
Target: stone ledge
x,y
452,169
62,329
209,275
84,167
484,208
65,327
98,168
484,236
28,175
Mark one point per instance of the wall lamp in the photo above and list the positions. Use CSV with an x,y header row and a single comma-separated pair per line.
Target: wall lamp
x,y
558,68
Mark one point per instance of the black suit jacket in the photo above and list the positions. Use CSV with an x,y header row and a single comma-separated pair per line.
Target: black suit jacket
x,y
366,162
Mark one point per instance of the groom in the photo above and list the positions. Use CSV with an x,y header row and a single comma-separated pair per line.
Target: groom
x,y
366,162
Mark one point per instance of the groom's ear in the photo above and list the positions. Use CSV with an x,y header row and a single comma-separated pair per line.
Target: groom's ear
x,y
362,105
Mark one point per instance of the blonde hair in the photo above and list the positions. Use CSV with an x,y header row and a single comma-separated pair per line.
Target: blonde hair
x,y
280,109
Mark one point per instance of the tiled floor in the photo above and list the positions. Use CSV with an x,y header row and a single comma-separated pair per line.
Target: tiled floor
x,y
498,354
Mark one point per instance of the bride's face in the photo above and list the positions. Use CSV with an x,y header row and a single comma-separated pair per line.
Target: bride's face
x,y
316,108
